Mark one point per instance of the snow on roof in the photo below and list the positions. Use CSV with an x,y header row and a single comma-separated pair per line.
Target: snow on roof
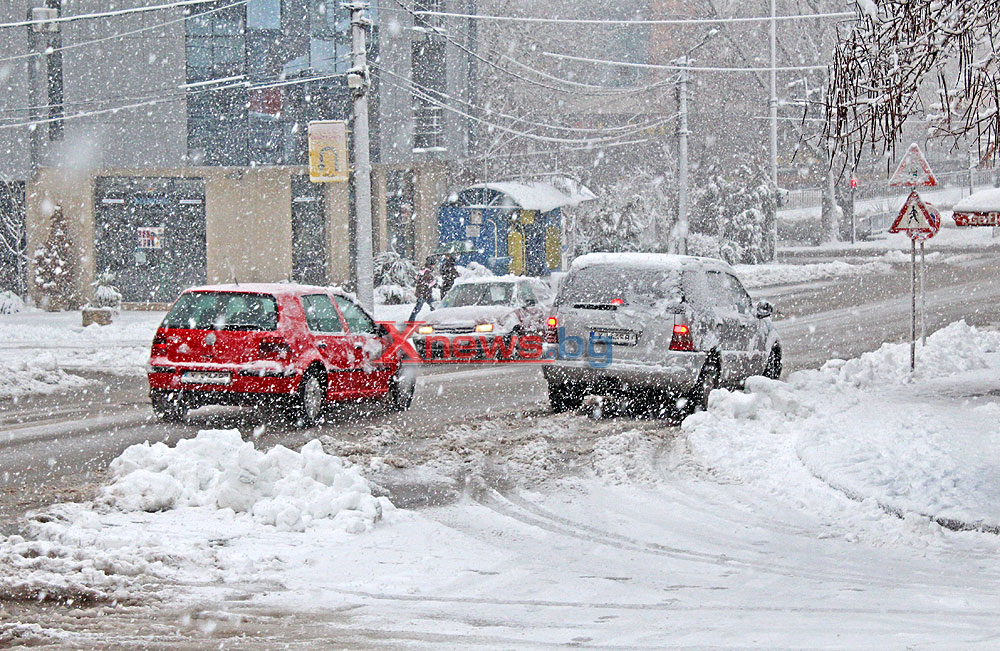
x,y
648,260
982,201
542,196
472,280
265,288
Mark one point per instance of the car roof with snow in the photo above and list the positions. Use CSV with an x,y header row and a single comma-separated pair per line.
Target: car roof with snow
x,y
650,261
508,278
276,289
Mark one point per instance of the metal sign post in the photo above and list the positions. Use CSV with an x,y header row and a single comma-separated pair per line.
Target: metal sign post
x,y
913,305
923,298
919,221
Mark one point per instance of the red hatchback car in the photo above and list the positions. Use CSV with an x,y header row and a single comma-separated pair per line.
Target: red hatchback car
x,y
292,346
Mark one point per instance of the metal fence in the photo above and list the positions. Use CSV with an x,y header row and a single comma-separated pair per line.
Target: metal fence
x,y
812,197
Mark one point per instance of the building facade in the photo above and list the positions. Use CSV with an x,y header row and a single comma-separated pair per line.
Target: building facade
x,y
174,140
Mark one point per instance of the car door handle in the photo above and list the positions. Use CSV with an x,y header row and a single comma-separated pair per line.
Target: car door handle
x,y
321,345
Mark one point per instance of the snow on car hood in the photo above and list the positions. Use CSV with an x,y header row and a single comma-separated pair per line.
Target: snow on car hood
x,y
471,315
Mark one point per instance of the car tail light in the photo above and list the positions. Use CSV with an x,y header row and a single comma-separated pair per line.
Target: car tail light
x,y
159,345
274,348
551,332
618,301
681,339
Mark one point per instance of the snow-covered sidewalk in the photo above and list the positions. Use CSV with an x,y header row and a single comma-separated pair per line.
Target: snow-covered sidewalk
x,y
41,351
921,446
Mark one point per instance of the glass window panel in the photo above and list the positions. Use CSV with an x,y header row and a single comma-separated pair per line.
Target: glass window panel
x,y
357,321
264,14
321,316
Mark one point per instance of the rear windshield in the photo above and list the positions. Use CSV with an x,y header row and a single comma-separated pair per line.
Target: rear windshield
x,y
223,311
480,294
607,285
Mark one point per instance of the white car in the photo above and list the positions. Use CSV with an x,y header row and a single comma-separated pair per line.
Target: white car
x,y
489,307
668,328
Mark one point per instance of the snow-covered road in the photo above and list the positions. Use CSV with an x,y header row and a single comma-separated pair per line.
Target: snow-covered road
x,y
518,528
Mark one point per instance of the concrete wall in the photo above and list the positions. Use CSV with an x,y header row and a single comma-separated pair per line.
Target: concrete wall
x,y
248,220
338,234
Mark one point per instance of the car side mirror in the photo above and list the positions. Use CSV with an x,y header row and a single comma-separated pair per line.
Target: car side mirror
x,y
764,310
381,330
530,301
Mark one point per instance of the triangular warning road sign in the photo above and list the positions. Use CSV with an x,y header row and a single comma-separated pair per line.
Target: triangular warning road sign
x,y
917,219
913,220
913,170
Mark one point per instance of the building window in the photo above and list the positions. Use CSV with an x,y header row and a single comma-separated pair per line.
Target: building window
x,y
264,14
217,119
427,57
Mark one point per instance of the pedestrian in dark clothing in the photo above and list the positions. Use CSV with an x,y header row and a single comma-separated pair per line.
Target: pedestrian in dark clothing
x,y
449,274
425,286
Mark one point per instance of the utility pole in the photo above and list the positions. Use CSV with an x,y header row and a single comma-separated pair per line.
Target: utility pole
x,y
358,80
680,243
40,38
773,106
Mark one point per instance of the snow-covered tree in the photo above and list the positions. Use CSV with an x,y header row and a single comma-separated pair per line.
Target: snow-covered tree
x,y
55,271
633,213
732,206
894,51
395,277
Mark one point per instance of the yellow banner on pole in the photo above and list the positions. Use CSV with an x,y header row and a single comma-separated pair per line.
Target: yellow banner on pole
x,y
328,151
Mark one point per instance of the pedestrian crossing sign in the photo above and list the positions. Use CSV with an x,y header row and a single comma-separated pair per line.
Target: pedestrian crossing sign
x,y
917,219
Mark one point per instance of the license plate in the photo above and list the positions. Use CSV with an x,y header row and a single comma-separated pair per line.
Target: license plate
x,y
617,337
206,377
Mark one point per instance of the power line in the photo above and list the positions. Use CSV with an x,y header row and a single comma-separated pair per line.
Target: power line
x,y
492,64
550,152
656,66
429,97
429,92
666,21
140,30
108,14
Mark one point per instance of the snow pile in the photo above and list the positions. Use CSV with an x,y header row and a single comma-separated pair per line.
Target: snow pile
x,y
38,375
982,201
762,275
10,303
953,349
859,438
217,469
68,555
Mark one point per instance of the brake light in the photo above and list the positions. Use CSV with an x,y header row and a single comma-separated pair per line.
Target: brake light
x,y
274,348
159,345
618,301
681,339
551,333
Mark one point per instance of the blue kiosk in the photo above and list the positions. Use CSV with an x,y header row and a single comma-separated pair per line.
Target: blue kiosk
x,y
511,227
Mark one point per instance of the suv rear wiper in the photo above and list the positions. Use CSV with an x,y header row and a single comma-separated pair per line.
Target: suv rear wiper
x,y
596,306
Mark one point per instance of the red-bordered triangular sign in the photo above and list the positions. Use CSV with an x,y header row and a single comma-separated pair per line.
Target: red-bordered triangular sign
x,y
913,170
918,220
